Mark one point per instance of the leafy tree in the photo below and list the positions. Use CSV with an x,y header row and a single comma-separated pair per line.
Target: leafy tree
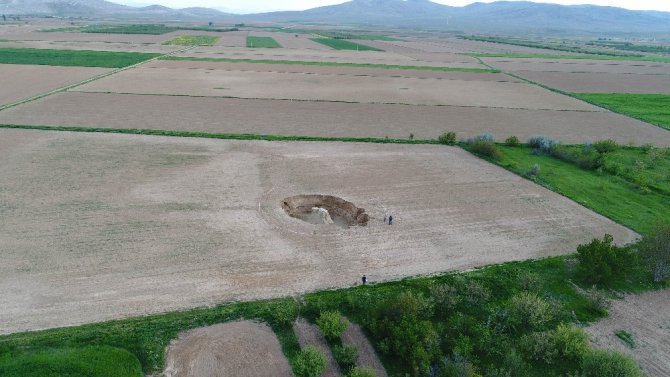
x,y
332,324
529,312
309,363
448,138
655,252
601,262
346,356
599,363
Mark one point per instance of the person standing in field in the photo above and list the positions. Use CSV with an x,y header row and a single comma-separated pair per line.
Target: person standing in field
x,y
391,220
364,279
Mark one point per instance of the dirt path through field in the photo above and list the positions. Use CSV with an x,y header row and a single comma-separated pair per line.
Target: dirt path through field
x,y
647,318
309,335
367,357
233,349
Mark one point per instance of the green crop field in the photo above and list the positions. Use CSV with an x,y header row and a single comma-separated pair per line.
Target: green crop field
x,y
72,58
651,108
632,187
192,40
333,64
262,42
70,362
152,29
343,44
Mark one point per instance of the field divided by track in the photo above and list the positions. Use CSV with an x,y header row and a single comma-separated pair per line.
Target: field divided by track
x,y
332,64
72,58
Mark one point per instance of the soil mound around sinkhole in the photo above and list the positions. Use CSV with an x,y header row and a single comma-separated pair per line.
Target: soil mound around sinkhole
x,y
325,209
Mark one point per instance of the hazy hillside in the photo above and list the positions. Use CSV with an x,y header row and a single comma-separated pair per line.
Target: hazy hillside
x,y
504,16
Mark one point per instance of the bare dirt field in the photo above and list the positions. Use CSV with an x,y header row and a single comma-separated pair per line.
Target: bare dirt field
x,y
341,56
101,226
232,39
309,335
292,86
244,349
24,81
329,70
601,82
457,45
222,115
579,66
647,318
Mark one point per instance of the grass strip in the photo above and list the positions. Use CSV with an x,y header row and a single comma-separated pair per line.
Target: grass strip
x,y
72,58
343,44
657,59
331,64
192,40
611,196
72,362
224,136
262,42
650,108
546,46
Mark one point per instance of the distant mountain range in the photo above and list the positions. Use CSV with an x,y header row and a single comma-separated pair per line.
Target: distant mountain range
x,y
498,17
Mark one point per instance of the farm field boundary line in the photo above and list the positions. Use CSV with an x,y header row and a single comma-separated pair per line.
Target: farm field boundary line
x,y
330,64
334,101
575,96
656,59
341,74
224,136
89,80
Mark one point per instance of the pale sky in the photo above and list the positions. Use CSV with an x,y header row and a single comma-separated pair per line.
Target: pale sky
x,y
249,6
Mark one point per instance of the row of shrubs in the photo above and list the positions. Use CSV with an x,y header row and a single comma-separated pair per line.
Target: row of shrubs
x,y
591,156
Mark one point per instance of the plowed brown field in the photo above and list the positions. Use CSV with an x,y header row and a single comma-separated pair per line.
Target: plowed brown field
x,y
647,318
221,115
96,227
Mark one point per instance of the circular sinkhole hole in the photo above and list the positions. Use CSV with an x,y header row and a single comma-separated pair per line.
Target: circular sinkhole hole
x,y
325,210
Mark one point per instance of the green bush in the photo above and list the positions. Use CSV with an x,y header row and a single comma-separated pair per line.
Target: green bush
x,y
542,144
529,312
655,252
571,342
447,138
346,356
362,372
485,148
585,158
309,363
605,146
512,141
599,363
332,324
602,263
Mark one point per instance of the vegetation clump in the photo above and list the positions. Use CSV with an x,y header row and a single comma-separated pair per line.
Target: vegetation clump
x,y
332,324
309,363
600,363
601,262
447,138
512,141
484,145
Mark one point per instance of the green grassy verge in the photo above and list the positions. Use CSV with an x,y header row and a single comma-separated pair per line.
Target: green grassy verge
x,y
207,135
343,44
367,37
620,197
332,64
658,59
192,40
262,42
71,362
72,58
651,108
